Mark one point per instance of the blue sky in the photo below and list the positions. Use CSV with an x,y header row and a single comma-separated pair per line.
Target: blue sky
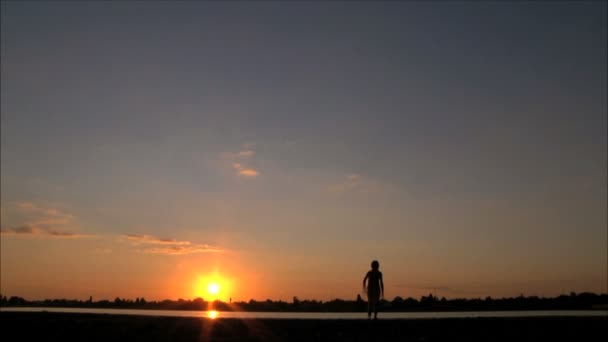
x,y
309,137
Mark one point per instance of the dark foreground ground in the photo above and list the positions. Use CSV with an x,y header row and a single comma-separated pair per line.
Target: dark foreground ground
x,y
93,327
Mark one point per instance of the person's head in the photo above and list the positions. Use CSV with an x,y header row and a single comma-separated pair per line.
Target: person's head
x,y
375,265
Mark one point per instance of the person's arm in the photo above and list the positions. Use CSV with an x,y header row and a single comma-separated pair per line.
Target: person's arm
x,y
364,280
381,286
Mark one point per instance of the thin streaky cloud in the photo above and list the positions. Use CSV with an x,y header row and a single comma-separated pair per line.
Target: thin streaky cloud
x,y
41,222
153,245
34,208
39,232
181,250
17,230
51,222
249,173
59,233
148,239
41,215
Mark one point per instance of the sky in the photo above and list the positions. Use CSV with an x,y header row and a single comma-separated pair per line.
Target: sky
x,y
151,148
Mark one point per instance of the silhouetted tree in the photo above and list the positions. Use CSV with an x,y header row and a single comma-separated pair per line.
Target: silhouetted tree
x,y
16,301
430,300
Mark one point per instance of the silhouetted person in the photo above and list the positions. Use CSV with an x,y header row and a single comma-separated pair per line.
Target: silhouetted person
x,y
375,288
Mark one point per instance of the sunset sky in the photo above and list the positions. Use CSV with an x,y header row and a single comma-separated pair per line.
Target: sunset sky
x,y
151,148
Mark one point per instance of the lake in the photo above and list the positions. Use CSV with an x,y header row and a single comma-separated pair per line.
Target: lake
x,y
318,315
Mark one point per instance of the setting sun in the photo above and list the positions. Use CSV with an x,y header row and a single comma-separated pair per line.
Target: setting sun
x,y
213,288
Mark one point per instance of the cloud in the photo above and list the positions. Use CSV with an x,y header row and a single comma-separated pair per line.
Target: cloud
x,y
40,232
64,234
153,245
154,240
29,207
34,220
355,183
51,221
248,172
41,215
242,162
182,250
18,230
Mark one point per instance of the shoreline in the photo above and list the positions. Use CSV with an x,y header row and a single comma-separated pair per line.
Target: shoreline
x,y
49,326
359,315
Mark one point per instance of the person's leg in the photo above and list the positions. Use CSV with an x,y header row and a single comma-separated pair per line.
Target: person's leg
x,y
375,307
372,307
369,309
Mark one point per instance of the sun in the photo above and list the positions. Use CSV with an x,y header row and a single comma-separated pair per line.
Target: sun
x,y
213,288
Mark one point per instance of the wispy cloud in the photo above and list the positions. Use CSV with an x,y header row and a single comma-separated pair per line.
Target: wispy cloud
x,y
355,183
154,240
46,215
41,232
182,250
244,171
18,230
248,173
242,161
35,220
154,245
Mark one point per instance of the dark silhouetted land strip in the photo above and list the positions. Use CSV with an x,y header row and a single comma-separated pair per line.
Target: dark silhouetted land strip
x,y
46,326
574,301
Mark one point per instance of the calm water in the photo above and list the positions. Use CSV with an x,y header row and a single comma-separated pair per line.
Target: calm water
x,y
316,315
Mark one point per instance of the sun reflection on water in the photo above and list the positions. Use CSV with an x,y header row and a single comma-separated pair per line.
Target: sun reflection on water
x,y
212,314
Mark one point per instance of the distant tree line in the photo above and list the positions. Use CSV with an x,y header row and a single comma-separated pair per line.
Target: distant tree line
x,y
574,301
